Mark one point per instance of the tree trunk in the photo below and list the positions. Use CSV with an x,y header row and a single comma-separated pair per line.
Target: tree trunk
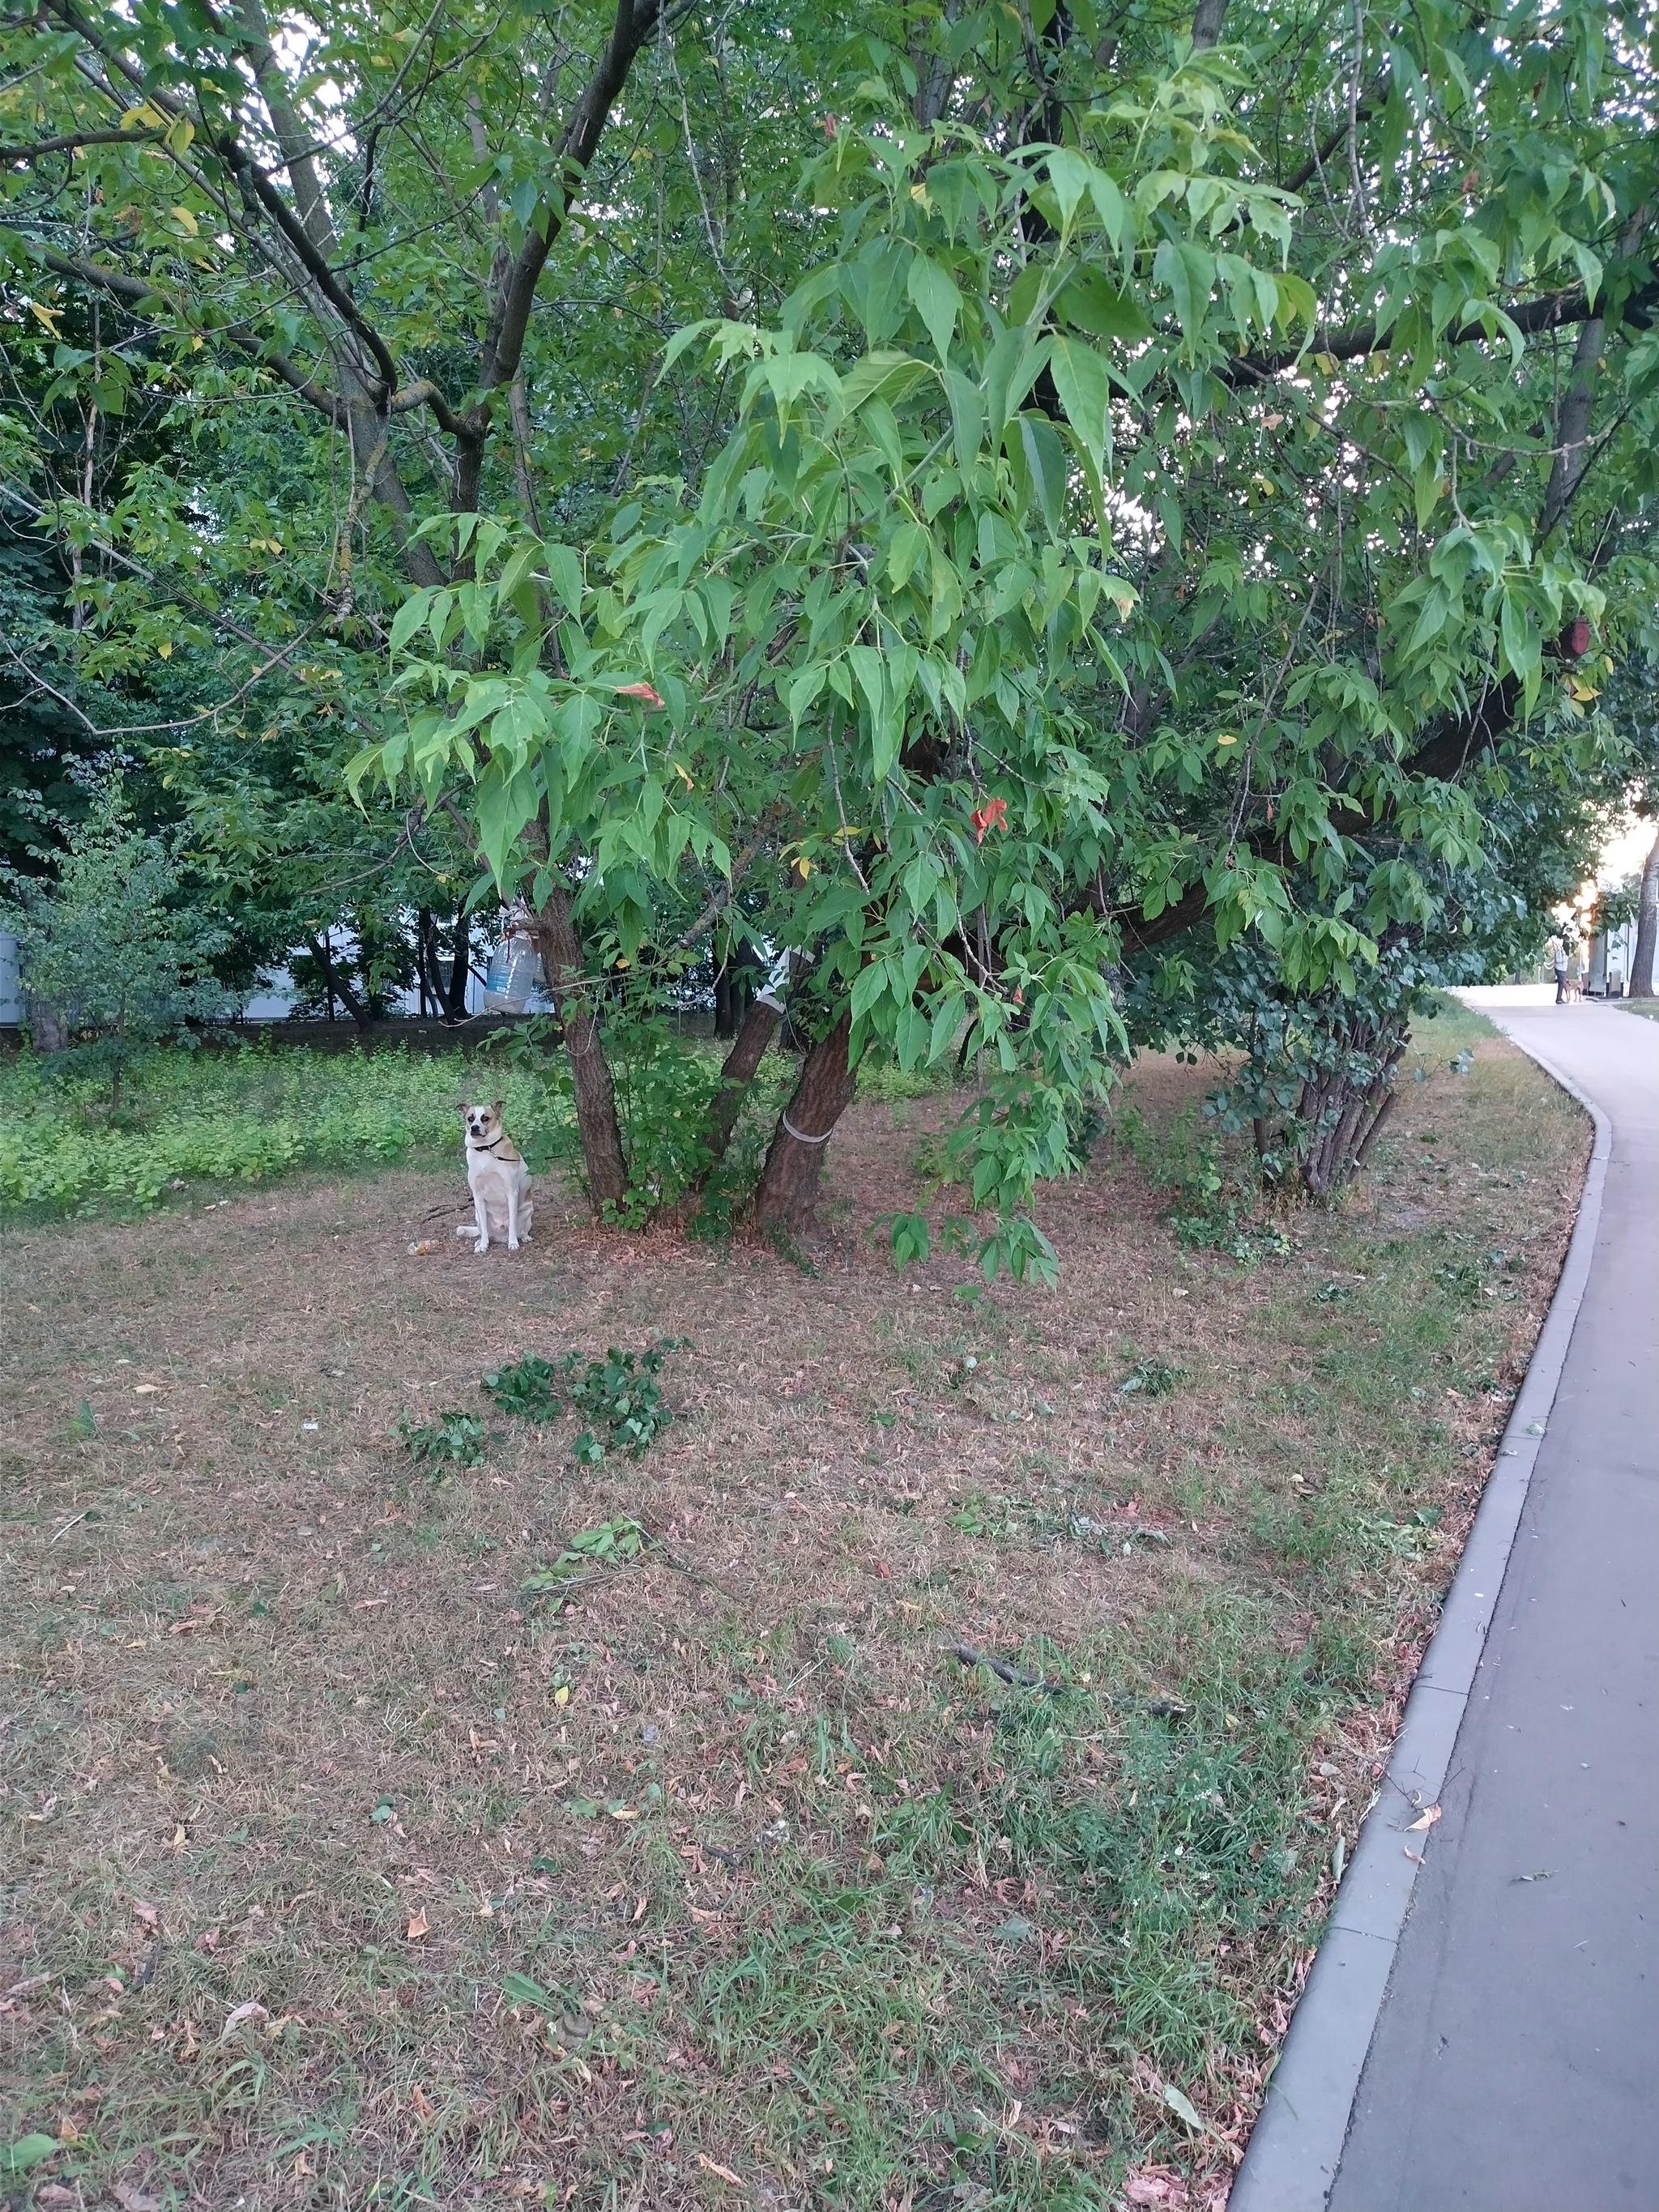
x,y
1338,1120
726,1017
759,1025
603,1159
788,1188
1647,928
453,998
426,978
335,984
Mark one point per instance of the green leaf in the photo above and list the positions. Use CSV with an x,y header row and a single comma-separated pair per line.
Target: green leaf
x,y
1520,644
967,418
1189,273
1084,385
1070,175
891,375
27,2151
688,337
1012,367
1090,303
408,618
936,300
1045,459
564,574
910,1239
803,690
519,1989
909,545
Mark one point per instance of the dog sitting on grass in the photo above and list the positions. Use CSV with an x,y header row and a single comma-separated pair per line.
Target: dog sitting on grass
x,y
498,1179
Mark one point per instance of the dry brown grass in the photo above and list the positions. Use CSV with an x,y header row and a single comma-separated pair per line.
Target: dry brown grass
x,y
238,1625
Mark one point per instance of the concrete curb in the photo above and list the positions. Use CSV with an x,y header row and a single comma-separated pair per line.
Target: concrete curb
x,y
1293,2154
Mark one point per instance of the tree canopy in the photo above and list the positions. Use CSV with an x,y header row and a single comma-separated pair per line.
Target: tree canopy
x,y
1048,503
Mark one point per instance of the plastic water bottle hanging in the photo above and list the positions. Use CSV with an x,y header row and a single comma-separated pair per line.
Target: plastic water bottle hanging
x,y
515,967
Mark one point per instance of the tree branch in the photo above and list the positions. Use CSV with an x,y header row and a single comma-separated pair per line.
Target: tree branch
x,y
315,264
75,140
1551,311
573,150
137,291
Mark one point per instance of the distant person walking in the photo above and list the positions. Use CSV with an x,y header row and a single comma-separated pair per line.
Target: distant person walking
x,y
1561,973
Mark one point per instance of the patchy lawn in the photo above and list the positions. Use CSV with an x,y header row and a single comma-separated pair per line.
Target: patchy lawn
x,y
341,1870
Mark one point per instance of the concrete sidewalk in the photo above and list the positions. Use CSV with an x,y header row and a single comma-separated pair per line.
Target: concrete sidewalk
x,y
1514,2064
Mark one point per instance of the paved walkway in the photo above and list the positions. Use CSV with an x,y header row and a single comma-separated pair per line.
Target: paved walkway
x,y
1514,2067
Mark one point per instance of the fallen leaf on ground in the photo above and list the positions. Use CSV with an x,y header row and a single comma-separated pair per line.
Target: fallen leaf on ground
x,y
1183,2108
144,1912
724,2172
134,2200
1150,2188
417,1925
1426,1819
252,2010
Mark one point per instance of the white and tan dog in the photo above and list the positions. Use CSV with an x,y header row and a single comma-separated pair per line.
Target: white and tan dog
x,y
498,1179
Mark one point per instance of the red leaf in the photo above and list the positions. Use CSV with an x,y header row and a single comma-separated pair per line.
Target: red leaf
x,y
994,815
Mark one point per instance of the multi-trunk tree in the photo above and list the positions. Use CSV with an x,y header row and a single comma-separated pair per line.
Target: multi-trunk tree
x,y
1115,498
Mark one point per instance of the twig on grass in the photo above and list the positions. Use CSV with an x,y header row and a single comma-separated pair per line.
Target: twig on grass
x,y
968,1656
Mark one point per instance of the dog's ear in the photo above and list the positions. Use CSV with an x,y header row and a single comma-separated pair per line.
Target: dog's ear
x,y
463,1106
495,1106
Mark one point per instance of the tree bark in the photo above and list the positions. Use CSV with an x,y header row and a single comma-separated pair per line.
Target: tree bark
x,y
788,1188
759,1026
604,1161
1207,19
1647,928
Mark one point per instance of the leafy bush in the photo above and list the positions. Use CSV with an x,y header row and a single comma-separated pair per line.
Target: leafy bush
x,y
114,959
665,1083
525,1387
1151,1378
619,1394
454,1439
1210,1209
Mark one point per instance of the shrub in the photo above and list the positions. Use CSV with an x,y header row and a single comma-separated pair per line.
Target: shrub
x,y
113,959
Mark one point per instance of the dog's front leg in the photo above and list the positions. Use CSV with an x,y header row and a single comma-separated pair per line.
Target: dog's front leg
x,y
512,1214
482,1213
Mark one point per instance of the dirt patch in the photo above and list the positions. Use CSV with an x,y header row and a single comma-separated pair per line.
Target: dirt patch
x,y
341,1871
